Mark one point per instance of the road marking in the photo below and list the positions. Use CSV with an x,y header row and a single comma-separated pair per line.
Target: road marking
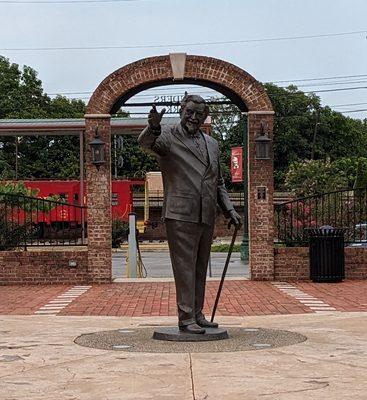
x,y
53,307
315,305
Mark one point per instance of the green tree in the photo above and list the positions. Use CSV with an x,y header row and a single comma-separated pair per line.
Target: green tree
x,y
227,128
361,178
15,231
304,130
311,177
22,96
62,107
136,162
21,92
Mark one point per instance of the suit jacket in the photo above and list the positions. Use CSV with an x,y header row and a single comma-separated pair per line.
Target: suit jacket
x,y
192,187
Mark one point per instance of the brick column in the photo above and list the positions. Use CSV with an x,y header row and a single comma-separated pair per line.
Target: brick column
x,y
261,211
99,201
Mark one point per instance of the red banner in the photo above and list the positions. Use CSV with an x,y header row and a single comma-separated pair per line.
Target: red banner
x,y
236,164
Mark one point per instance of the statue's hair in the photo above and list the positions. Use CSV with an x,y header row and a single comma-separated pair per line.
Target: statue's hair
x,y
195,99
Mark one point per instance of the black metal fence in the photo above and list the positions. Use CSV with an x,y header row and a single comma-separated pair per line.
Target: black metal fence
x,y
156,198
29,221
340,209
237,198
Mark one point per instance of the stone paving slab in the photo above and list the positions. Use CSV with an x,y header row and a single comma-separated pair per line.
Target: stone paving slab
x,y
39,360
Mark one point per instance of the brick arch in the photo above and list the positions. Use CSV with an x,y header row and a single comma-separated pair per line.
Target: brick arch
x,y
243,89
237,84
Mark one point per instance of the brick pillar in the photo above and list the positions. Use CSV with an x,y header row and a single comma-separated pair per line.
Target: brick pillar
x,y
99,201
261,211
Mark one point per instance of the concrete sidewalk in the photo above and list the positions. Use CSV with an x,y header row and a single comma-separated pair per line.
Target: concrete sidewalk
x,y
39,360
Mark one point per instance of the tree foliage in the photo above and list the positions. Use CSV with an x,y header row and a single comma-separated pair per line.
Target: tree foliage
x,y
303,128
22,96
311,177
10,190
136,162
228,129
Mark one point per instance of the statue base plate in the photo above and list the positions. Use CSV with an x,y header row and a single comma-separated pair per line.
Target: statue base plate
x,y
173,334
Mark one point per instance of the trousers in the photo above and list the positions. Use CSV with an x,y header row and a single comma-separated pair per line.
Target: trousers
x,y
189,245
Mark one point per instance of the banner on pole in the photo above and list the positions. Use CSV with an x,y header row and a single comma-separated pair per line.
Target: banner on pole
x,y
236,164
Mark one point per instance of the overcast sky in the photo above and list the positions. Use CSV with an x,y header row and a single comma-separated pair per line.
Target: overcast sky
x,y
171,22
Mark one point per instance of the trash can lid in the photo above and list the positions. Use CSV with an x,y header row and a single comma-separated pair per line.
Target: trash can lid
x,y
326,230
326,227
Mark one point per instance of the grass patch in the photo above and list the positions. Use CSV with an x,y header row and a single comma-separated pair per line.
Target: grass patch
x,y
224,248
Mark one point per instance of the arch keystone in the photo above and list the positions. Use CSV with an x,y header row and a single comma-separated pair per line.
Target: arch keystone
x,y
178,62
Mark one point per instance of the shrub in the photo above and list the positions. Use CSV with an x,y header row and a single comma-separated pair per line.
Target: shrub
x,y
120,230
12,235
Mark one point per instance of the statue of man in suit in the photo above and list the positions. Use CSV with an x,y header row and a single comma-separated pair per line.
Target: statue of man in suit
x,y
193,186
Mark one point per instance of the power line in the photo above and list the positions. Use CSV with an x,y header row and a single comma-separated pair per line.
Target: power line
x,y
336,90
353,111
187,44
65,1
348,82
166,89
320,79
162,91
306,92
348,104
217,112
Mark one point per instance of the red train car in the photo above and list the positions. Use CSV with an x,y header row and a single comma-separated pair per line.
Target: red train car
x,y
66,219
59,216
65,216
69,192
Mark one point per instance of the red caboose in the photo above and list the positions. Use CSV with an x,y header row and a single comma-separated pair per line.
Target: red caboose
x,y
67,217
69,192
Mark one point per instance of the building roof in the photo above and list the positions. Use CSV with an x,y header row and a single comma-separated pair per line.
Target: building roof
x,y
30,127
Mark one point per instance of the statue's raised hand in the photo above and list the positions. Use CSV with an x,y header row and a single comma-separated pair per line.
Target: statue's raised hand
x,y
155,118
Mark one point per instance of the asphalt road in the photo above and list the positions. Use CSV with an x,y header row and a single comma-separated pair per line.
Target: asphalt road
x,y
158,265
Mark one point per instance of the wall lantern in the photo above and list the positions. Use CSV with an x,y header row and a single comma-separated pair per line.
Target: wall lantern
x,y
98,152
262,142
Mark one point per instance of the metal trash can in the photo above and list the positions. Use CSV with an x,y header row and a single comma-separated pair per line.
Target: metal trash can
x,y
326,254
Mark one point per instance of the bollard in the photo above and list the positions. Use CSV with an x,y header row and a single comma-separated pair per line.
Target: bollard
x,y
131,266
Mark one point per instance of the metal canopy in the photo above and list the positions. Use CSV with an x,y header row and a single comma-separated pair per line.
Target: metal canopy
x,y
72,127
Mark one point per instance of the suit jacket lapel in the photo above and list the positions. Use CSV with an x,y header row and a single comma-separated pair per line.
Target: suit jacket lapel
x,y
208,148
180,135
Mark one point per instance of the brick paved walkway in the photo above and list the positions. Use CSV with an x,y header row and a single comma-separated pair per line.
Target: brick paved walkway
x,y
158,298
347,296
27,299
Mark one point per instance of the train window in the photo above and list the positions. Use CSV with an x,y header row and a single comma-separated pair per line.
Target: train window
x,y
115,199
76,197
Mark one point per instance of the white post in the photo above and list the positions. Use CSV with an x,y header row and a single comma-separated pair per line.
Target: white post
x,y
132,251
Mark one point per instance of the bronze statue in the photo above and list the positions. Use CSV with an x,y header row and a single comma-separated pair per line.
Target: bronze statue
x,y
193,186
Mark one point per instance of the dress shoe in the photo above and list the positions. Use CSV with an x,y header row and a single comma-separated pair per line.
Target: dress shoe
x,y
191,328
204,323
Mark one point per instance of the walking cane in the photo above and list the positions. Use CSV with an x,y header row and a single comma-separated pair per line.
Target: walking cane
x,y
224,272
